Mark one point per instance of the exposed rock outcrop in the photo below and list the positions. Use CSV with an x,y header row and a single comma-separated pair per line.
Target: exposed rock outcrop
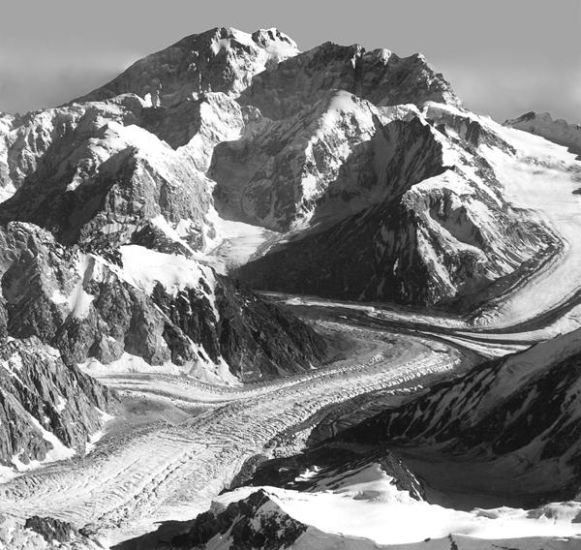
x,y
48,410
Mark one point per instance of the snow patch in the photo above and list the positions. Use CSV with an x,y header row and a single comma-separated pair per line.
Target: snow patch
x,y
144,268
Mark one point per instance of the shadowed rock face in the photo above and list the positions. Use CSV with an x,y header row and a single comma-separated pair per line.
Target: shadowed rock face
x,y
40,394
45,533
255,338
510,428
255,522
426,238
91,172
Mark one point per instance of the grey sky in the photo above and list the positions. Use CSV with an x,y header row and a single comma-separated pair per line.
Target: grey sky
x,y
503,57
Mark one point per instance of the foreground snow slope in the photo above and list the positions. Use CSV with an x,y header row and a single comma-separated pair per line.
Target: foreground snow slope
x,y
363,508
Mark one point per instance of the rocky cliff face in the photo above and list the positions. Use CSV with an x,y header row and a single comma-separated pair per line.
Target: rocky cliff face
x,y
87,171
431,223
48,410
44,533
378,76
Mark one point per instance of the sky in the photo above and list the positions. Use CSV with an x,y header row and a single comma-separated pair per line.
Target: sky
x,y
503,57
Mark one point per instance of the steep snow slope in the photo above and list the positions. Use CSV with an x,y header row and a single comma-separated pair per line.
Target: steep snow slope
x,y
6,187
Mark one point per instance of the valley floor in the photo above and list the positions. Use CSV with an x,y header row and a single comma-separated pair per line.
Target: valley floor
x,y
179,442
171,465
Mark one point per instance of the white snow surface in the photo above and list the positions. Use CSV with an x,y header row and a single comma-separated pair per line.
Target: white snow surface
x,y
368,505
235,243
145,268
201,370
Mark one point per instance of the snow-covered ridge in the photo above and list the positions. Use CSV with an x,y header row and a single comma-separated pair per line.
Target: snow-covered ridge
x,y
542,124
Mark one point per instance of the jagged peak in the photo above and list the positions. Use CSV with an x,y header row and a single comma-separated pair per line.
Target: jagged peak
x,y
541,117
261,38
273,34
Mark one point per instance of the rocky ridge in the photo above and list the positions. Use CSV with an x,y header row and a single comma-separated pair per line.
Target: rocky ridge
x,y
513,420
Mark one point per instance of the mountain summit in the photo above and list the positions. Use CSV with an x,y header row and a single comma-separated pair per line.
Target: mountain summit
x,y
219,60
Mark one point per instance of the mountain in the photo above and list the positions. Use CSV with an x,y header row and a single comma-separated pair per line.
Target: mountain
x,y
365,150
379,76
426,218
49,411
136,221
219,60
542,124
49,408
508,428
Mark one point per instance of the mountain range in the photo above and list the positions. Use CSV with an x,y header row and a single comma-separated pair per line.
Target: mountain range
x,y
132,233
